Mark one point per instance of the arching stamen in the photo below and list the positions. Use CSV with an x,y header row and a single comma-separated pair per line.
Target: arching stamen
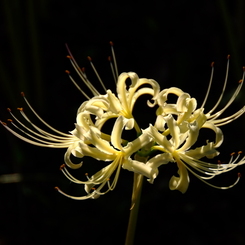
x,y
112,70
52,142
114,58
84,94
233,97
72,178
90,195
213,169
83,76
224,86
227,120
81,73
45,133
114,183
49,144
55,130
214,186
209,85
96,73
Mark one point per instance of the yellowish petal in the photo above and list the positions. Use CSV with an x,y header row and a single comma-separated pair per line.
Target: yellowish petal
x,y
180,183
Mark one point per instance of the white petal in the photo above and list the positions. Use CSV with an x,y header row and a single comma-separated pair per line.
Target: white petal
x,y
174,130
160,123
155,162
114,103
160,139
180,183
218,133
163,95
208,151
117,130
68,161
140,142
122,91
93,152
94,136
182,105
192,138
140,168
160,159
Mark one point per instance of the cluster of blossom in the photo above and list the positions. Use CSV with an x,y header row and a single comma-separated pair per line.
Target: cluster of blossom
x,y
169,140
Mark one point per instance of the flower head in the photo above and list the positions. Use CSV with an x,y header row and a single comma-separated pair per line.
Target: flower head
x,y
172,138
178,148
175,138
88,138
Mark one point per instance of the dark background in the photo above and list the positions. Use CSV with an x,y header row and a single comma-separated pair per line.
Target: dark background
x,y
174,43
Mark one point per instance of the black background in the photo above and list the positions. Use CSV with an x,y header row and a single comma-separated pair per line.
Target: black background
x,y
174,43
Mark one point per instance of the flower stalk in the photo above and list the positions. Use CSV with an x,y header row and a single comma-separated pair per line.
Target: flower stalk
x,y
134,210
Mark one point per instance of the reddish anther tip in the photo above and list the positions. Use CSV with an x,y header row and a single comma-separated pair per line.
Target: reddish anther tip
x,y
243,68
56,188
212,64
67,72
111,43
62,166
20,109
86,174
68,56
233,153
83,69
239,152
89,58
3,123
109,58
9,120
239,175
240,81
22,94
8,109
228,57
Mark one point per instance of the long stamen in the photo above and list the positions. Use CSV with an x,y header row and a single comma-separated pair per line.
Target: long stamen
x,y
114,58
209,85
48,144
70,177
45,133
112,70
224,86
214,186
77,86
90,195
96,73
82,75
233,97
46,124
54,142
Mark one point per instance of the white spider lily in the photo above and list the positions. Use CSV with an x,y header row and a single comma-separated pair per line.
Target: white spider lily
x,y
185,106
87,139
112,151
177,149
108,106
176,130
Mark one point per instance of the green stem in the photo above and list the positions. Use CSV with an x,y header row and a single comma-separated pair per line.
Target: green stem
x,y
137,187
